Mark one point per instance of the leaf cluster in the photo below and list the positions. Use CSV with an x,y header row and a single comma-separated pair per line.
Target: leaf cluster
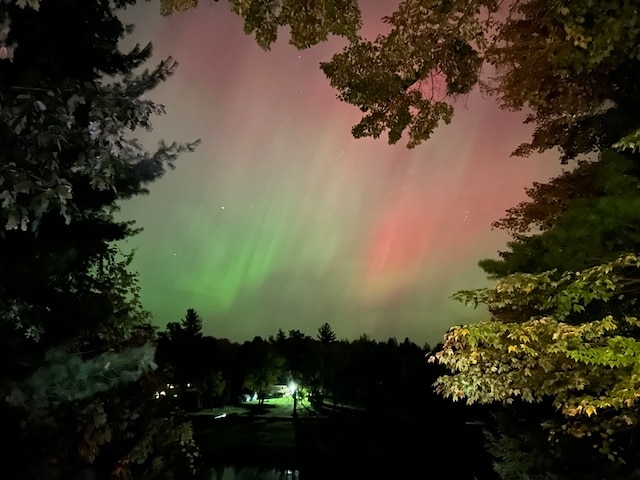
x,y
574,64
77,350
310,23
584,216
400,80
545,341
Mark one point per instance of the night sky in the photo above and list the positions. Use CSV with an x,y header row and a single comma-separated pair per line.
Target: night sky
x,y
281,219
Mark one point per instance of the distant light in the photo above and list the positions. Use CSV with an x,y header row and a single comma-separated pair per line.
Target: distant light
x,y
171,387
222,415
163,393
293,386
188,385
175,395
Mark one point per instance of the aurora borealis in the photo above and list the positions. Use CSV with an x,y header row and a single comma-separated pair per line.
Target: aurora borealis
x,y
281,219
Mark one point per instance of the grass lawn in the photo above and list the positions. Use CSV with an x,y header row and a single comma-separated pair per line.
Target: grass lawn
x,y
272,407
342,439
263,433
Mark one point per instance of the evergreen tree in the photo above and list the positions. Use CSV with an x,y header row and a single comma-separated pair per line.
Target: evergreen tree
x,y
185,351
326,334
192,324
563,332
76,346
587,215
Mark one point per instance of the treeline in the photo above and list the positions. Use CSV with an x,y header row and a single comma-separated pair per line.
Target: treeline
x,y
77,346
363,372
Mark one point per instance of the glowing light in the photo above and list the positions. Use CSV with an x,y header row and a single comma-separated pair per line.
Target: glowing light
x,y
293,386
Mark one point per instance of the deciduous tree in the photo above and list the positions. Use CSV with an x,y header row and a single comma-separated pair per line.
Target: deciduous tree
x,y
309,22
587,215
569,337
574,65
563,328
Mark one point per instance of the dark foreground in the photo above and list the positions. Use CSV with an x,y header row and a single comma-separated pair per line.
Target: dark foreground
x,y
335,444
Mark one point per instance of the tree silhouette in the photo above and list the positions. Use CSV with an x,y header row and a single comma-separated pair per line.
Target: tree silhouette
x,y
192,324
184,348
579,80
263,367
76,346
326,334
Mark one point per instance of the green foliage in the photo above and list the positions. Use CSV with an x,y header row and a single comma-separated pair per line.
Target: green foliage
x,y
400,80
142,438
68,156
587,215
76,347
559,294
520,455
168,7
78,116
264,367
310,22
544,341
214,384
630,142
121,290
67,377
563,328
579,80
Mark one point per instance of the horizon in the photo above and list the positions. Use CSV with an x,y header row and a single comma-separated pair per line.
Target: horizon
x,y
281,219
